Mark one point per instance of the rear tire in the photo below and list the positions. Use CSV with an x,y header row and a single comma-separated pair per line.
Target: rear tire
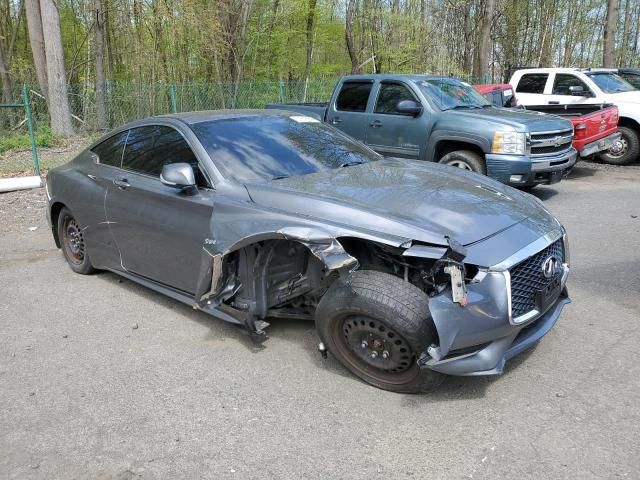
x,y
72,242
465,160
377,312
627,151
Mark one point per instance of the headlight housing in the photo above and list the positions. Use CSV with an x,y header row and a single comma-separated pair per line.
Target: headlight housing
x,y
514,143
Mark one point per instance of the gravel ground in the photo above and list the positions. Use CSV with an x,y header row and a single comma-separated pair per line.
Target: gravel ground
x,y
101,378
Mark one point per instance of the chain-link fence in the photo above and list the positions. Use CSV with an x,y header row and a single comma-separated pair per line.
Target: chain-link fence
x,y
126,101
18,143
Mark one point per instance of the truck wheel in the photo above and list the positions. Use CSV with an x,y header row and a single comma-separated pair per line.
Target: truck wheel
x,y
625,151
376,325
465,159
72,242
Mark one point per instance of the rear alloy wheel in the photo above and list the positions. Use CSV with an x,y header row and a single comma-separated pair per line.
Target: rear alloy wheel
x,y
465,160
72,241
376,326
624,151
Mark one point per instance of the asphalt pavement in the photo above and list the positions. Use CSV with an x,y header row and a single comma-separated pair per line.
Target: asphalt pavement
x,y
104,379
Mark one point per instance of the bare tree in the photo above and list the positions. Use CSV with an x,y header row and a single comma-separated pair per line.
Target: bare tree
x,y
483,46
348,35
36,38
311,15
610,24
56,75
101,116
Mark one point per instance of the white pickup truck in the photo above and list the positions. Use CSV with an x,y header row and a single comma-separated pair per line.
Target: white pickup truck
x,y
564,86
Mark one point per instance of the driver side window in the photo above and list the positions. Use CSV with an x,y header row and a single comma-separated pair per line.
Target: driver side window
x,y
389,96
563,81
150,148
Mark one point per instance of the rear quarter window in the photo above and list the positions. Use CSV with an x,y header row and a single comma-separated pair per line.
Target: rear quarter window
x,y
532,83
353,96
109,152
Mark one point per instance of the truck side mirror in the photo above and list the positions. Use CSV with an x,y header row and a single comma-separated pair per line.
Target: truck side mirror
x,y
409,107
577,91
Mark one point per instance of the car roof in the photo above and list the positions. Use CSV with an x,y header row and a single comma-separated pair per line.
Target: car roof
x,y
192,118
548,70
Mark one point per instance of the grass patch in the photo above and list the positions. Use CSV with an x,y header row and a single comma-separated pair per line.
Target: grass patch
x,y
44,138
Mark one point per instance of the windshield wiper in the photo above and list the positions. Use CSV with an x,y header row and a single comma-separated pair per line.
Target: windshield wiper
x,y
464,106
279,177
349,164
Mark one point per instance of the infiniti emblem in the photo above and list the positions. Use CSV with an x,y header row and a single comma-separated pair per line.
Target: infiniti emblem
x,y
550,267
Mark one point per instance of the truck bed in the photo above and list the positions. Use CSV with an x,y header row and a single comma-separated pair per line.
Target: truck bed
x,y
595,126
570,110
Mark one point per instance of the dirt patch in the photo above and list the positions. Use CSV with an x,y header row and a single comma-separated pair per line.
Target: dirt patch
x,y
23,210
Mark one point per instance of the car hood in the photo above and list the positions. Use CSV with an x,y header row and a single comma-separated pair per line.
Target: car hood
x,y
416,200
518,119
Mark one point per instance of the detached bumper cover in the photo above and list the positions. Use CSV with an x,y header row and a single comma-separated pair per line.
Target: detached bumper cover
x,y
490,358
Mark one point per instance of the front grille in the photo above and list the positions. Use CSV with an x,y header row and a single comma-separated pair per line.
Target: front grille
x,y
551,142
527,278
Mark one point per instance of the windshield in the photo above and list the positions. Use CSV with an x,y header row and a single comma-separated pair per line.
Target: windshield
x,y
610,82
272,147
449,93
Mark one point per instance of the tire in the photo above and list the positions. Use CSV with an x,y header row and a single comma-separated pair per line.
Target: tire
x,y
466,160
382,313
629,148
72,243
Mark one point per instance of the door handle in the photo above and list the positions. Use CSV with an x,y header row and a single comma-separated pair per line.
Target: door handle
x,y
121,184
554,102
336,121
376,124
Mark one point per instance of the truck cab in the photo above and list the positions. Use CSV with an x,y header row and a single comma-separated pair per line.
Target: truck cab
x,y
443,119
568,86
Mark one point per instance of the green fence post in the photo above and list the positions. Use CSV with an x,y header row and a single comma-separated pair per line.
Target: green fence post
x,y
281,93
34,146
172,94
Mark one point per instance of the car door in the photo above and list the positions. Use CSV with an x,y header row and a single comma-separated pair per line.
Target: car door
x,y
159,230
389,132
530,89
560,93
348,112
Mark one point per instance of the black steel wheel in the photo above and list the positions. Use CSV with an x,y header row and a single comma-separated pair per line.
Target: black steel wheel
x,y
73,244
376,325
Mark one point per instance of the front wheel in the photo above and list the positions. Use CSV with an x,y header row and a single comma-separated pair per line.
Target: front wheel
x,y
466,160
624,151
376,325
74,249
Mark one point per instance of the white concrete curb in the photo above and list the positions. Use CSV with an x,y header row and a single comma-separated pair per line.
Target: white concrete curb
x,y
19,183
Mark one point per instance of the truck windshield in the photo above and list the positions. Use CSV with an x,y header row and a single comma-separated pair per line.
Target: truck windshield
x,y
610,82
272,147
449,93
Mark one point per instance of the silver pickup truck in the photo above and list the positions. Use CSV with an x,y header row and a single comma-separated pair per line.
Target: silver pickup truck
x,y
445,120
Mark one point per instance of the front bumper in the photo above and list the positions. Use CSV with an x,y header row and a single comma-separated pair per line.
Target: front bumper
x,y
600,145
490,358
524,171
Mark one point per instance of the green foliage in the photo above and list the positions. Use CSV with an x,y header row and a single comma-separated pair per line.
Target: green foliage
x,y
44,138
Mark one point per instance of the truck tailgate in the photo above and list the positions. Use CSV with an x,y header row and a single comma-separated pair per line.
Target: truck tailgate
x,y
594,126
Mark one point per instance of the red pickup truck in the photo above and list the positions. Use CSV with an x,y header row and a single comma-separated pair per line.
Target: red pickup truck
x,y
595,126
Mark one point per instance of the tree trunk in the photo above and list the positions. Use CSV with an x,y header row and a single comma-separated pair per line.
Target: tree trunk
x,y
7,84
610,24
348,35
36,38
101,114
483,47
56,75
311,15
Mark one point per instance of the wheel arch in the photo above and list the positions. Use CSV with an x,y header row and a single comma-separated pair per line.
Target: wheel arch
x,y
443,147
629,123
55,210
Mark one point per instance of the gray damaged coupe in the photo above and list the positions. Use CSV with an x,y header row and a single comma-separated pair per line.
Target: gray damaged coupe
x,y
410,269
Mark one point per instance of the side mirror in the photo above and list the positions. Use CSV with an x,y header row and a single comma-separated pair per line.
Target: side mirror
x,y
178,175
577,91
409,107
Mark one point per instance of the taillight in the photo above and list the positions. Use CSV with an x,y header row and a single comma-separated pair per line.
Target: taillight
x,y
580,130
